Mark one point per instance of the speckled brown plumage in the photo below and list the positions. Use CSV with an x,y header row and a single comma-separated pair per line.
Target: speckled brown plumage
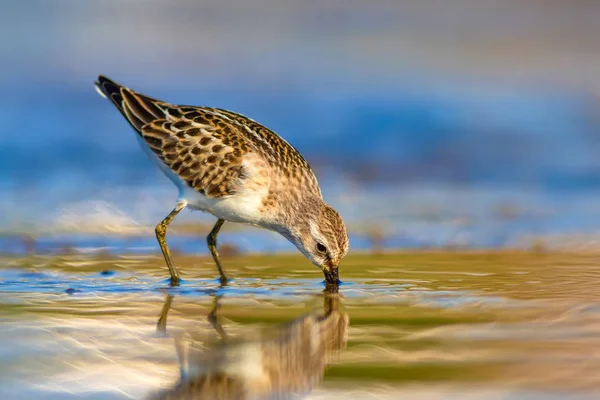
x,y
238,170
206,146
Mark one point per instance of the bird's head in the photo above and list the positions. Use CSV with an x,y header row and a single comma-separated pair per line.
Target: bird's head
x,y
321,236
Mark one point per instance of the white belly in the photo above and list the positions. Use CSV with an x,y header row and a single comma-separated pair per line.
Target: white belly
x,y
243,207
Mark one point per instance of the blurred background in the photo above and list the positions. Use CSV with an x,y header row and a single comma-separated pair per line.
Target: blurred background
x,y
454,124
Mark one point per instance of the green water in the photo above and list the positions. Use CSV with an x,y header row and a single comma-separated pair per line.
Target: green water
x,y
425,325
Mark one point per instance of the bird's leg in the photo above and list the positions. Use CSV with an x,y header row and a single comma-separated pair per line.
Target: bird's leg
x,y
161,231
211,239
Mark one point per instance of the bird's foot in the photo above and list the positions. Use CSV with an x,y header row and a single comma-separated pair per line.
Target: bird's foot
x,y
224,281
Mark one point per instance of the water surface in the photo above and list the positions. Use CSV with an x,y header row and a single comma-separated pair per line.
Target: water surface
x,y
415,325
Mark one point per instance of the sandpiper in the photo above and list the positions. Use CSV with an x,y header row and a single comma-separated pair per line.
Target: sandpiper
x,y
236,169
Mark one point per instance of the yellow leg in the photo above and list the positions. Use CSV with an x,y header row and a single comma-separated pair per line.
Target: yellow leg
x,y
161,231
211,239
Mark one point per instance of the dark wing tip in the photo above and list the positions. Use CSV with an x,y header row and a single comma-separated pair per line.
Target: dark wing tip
x,y
108,88
137,108
104,79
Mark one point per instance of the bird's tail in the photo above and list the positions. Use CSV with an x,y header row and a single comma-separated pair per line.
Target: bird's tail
x,y
135,107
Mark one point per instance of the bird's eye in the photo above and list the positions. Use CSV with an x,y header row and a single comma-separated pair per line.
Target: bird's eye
x,y
321,248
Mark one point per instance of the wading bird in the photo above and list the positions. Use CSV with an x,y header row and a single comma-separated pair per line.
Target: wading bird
x,y
236,169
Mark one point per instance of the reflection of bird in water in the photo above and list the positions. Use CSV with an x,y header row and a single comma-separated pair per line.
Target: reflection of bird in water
x,y
283,364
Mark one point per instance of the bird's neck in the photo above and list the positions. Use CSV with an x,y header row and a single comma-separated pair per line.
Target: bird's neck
x,y
292,220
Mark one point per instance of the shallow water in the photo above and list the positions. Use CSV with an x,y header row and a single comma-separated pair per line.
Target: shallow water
x,y
425,325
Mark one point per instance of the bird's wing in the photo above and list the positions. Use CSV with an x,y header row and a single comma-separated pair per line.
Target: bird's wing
x,y
204,148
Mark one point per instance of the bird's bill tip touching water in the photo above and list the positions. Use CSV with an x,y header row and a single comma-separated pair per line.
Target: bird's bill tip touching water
x,y
331,275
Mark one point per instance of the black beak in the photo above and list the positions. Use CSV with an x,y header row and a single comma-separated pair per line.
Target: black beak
x,y
331,276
